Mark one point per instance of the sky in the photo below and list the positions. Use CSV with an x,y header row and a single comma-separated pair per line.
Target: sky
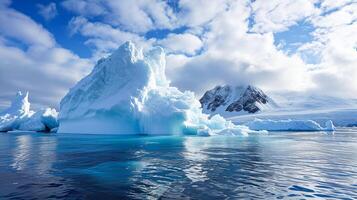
x,y
307,46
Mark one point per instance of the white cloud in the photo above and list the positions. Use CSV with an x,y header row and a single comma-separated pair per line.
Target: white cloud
x,y
277,15
41,67
335,44
185,43
47,80
18,26
328,5
47,11
199,12
342,16
85,7
134,16
140,16
102,36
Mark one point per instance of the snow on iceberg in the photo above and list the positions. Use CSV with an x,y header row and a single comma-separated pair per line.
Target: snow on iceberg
x,y
289,125
19,116
18,111
43,120
128,93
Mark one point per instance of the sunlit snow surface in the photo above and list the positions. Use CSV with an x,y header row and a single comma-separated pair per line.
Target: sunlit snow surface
x,y
279,165
128,93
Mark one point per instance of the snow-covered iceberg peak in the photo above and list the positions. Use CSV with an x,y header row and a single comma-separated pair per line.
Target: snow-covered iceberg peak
x,y
20,104
128,93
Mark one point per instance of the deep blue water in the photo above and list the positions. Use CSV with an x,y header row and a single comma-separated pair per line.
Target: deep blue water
x,y
304,165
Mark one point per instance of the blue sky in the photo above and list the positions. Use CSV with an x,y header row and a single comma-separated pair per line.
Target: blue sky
x,y
281,45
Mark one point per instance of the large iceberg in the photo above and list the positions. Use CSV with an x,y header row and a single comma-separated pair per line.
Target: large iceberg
x,y
19,116
289,125
128,93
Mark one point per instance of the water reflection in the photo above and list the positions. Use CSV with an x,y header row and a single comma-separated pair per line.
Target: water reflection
x,y
195,158
46,155
227,166
22,152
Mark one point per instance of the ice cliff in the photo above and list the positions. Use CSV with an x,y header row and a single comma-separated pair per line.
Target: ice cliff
x,y
128,93
19,116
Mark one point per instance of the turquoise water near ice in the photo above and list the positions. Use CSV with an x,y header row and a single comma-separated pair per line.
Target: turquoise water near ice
x,y
280,165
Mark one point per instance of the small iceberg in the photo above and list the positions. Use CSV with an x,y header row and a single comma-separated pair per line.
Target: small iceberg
x,y
19,116
43,120
128,93
289,125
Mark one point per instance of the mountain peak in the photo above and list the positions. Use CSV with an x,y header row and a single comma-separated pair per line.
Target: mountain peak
x,y
233,99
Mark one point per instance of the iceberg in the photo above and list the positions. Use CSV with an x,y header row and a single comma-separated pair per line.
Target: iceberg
x,y
18,112
289,125
19,116
43,120
128,93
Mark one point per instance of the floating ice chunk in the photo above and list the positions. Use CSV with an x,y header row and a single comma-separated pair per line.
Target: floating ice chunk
x,y
128,93
19,116
19,111
288,125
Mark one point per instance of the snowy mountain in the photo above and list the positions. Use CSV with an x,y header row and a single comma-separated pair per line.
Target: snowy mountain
x,y
19,116
128,93
229,101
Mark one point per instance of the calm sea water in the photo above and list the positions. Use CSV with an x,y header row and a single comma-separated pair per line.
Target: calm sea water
x,y
290,165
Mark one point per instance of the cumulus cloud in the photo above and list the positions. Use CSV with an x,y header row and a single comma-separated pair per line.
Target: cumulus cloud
x,y
181,43
103,37
344,16
38,65
18,26
134,16
277,15
328,5
199,12
47,11
335,44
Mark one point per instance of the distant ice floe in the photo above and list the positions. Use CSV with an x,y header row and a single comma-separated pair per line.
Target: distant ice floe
x,y
19,116
289,125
